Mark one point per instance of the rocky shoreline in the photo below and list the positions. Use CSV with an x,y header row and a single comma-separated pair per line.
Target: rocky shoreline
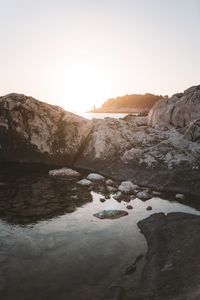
x,y
143,155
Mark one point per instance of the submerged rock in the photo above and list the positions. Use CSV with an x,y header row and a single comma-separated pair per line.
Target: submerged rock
x,y
111,214
64,172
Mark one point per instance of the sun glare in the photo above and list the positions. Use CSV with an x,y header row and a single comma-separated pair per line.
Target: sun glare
x,y
82,86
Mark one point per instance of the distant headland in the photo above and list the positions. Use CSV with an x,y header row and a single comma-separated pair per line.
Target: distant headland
x,y
134,103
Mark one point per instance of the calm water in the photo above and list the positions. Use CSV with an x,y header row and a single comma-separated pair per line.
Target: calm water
x,y
51,245
100,115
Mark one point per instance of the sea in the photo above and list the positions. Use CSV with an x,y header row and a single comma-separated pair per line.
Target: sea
x,y
91,116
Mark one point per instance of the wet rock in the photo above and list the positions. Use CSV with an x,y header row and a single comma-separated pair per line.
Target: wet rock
x,y
95,177
173,257
180,196
129,207
102,200
156,194
149,208
144,195
84,182
110,182
64,172
132,197
111,214
127,187
133,267
111,189
118,196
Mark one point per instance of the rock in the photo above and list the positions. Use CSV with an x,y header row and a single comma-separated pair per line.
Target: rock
x,y
64,172
149,208
110,182
180,196
95,177
127,187
132,197
144,195
111,189
129,207
84,182
33,131
178,111
192,131
102,200
118,196
173,257
111,214
156,194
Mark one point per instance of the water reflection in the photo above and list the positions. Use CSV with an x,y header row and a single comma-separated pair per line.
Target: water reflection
x,y
26,199
67,255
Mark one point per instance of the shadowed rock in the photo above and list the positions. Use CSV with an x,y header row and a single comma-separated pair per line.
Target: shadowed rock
x,y
34,131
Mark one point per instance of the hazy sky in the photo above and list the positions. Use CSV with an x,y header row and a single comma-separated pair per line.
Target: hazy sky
x,y
77,53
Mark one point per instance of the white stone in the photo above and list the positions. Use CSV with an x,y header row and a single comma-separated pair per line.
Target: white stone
x,y
64,172
95,177
118,196
143,195
180,196
127,187
84,182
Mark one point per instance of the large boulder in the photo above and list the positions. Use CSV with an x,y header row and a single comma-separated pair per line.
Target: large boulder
x,y
177,111
34,131
172,269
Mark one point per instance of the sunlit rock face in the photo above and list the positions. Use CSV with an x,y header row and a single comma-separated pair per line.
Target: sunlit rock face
x,y
34,131
124,144
177,111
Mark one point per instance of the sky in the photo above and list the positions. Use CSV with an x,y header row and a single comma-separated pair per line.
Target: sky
x,y
78,53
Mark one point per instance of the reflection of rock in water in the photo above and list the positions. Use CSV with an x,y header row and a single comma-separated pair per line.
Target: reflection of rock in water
x,y
28,199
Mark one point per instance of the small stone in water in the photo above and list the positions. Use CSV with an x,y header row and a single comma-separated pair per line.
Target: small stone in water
x,y
180,196
149,208
64,172
111,214
95,177
102,199
129,207
84,182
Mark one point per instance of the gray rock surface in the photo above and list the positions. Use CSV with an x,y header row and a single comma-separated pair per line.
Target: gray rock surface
x,y
34,131
178,111
172,270
111,214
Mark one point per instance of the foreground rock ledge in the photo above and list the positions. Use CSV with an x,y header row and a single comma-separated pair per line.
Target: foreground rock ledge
x,y
172,270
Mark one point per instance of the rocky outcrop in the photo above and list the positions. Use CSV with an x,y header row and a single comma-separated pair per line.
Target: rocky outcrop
x,y
177,111
34,131
146,150
172,269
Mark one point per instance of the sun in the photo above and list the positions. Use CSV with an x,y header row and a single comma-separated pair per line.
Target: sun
x,y
82,86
